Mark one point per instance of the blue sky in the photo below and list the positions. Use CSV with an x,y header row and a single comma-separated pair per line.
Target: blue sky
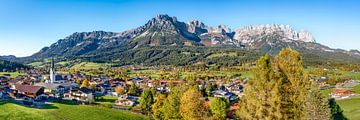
x,y
28,25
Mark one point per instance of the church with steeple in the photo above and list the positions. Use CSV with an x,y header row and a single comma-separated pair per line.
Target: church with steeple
x,y
52,72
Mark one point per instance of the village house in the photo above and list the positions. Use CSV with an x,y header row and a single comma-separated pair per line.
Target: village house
x,y
56,89
234,87
342,93
140,82
82,94
221,93
4,81
125,100
15,83
30,91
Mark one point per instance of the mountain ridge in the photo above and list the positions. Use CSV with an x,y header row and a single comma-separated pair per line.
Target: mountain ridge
x,y
163,30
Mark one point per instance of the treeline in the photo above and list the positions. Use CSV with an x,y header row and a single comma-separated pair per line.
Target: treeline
x,y
7,66
177,56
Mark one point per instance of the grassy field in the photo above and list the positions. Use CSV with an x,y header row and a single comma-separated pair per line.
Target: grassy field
x,y
231,54
12,74
351,108
55,111
356,89
36,64
349,74
89,65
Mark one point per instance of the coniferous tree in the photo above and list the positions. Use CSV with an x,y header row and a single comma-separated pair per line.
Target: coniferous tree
x,y
218,108
146,100
134,90
336,111
172,105
282,91
261,93
294,86
317,107
157,110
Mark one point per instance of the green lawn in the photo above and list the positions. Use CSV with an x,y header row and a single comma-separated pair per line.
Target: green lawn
x,y
351,107
349,74
89,65
12,74
56,111
356,89
36,64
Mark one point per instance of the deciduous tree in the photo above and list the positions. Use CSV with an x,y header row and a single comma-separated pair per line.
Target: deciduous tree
x,y
120,90
192,105
85,83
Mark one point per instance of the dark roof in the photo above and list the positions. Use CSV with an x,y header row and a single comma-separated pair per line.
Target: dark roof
x,y
14,80
29,89
85,90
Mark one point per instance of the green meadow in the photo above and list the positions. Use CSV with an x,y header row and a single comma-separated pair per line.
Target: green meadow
x,y
351,107
12,74
56,111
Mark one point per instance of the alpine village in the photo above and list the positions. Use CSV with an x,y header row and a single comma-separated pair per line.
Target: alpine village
x,y
168,69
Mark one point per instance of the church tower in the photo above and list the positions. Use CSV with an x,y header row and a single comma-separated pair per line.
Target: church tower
x,y
52,71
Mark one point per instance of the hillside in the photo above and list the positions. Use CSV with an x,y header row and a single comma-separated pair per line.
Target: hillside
x,y
7,66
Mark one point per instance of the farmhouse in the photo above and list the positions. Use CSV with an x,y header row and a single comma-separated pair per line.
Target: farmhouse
x,y
55,89
30,91
125,100
342,93
82,94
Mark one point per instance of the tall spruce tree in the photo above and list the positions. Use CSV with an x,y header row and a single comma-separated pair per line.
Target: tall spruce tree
x,y
317,106
158,112
172,105
261,95
281,90
146,100
294,86
218,108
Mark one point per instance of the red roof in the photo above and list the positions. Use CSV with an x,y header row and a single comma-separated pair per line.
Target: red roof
x,y
29,89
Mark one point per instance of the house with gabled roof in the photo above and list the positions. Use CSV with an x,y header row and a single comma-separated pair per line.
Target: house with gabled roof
x,y
83,94
30,91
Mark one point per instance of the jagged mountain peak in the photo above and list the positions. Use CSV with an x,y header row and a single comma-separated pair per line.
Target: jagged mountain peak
x,y
162,19
91,35
197,23
220,29
165,30
285,33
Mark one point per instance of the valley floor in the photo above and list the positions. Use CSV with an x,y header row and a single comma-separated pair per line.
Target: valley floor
x,y
351,108
56,111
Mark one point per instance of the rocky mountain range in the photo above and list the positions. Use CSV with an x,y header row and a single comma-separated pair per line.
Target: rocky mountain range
x,y
164,30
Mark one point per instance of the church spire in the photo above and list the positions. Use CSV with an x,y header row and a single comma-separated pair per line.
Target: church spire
x,y
52,71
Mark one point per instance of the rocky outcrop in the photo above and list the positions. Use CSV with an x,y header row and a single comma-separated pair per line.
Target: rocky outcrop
x,y
250,34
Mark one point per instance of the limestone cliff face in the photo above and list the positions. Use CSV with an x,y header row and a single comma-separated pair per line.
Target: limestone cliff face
x,y
166,30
